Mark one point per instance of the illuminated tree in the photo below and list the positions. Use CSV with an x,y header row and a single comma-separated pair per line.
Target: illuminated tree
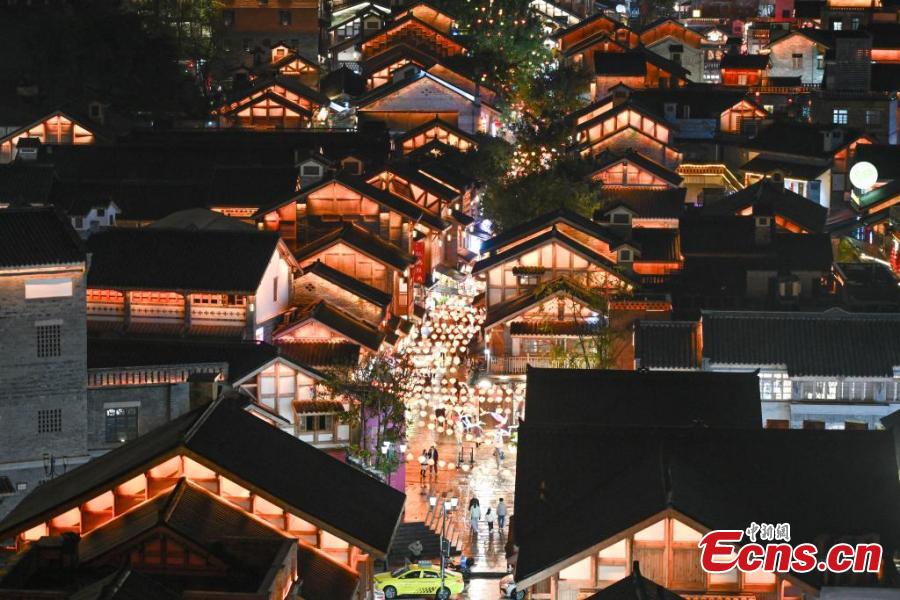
x,y
377,411
565,183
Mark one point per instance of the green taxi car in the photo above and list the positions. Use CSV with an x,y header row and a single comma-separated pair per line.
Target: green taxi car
x,y
418,581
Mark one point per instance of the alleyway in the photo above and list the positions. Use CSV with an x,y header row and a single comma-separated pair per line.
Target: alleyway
x,y
466,420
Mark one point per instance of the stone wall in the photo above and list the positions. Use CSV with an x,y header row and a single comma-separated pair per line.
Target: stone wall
x,y
30,383
157,404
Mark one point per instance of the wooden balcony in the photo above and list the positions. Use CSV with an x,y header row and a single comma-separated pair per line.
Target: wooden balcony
x,y
516,365
218,315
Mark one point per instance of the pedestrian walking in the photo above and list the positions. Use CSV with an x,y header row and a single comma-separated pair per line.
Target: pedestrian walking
x,y
433,457
501,515
474,517
490,520
498,456
423,466
415,551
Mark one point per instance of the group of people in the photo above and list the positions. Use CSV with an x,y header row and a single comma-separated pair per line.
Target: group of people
x,y
489,514
428,462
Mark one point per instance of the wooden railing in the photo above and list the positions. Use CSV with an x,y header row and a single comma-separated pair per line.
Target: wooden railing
x,y
230,314
516,365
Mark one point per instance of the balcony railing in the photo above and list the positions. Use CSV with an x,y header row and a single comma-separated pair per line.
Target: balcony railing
x,y
517,365
157,312
218,314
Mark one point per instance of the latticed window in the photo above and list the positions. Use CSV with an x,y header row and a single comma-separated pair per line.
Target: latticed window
x,y
121,424
49,420
47,340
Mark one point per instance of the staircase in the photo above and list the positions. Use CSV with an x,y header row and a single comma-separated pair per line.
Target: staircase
x,y
407,533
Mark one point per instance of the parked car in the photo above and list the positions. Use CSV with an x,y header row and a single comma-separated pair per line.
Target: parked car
x,y
418,580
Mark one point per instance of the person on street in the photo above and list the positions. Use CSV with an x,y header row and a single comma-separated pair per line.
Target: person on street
x,y
474,517
415,551
501,515
423,467
498,456
433,457
489,517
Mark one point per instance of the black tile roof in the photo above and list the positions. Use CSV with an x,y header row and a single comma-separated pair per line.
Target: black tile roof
x,y
577,486
635,587
771,198
342,322
645,203
251,453
173,259
885,157
630,64
23,184
351,284
561,215
705,103
342,81
126,585
657,244
323,578
609,157
642,398
744,61
242,357
437,122
766,166
799,139
537,241
192,513
360,239
667,345
560,286
833,343
321,354
32,237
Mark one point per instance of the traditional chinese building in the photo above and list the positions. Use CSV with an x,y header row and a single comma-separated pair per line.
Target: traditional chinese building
x,y
677,43
56,128
172,281
816,369
278,102
655,516
243,473
770,198
253,26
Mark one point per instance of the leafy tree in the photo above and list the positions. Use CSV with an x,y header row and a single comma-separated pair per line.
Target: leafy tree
x,y
377,411
564,184
597,346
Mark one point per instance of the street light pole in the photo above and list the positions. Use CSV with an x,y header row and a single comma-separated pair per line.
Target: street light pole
x,y
446,506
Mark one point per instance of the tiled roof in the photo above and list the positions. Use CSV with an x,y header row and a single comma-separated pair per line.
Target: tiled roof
x,y
645,203
323,577
24,184
764,165
667,345
608,157
635,587
126,585
342,322
351,284
771,198
657,244
360,239
536,295
562,215
537,241
321,354
578,485
833,343
241,357
37,236
744,61
174,259
249,452
642,398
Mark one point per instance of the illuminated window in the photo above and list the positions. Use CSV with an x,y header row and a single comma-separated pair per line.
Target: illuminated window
x,y
839,116
121,424
49,420
48,340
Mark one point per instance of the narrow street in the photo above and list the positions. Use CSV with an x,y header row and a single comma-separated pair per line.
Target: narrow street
x,y
465,420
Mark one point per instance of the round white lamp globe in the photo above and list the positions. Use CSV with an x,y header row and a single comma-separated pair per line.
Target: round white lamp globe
x,y
863,175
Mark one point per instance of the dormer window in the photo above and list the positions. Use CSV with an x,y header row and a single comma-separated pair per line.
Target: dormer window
x,y
352,166
626,255
311,171
621,218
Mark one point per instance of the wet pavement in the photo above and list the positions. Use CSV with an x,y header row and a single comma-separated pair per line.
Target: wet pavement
x,y
466,421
